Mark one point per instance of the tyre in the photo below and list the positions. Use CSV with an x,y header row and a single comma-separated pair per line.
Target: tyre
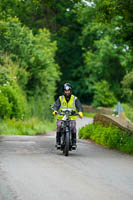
x,y
66,147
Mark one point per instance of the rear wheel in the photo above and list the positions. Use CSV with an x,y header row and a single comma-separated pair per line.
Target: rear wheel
x,y
66,146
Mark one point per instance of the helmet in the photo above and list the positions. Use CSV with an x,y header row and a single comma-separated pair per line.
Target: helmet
x,y
67,86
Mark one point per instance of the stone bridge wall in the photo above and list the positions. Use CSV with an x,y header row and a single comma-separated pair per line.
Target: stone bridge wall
x,y
117,121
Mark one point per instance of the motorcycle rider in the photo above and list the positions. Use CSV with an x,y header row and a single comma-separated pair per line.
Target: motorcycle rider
x,y
67,102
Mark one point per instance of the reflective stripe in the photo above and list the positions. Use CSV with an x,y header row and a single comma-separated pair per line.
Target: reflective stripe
x,y
61,99
67,107
74,102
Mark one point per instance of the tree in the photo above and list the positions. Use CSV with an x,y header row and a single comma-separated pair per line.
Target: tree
x,y
60,18
107,56
102,95
36,55
108,10
94,40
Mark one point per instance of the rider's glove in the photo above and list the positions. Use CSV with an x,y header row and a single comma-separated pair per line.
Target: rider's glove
x,y
54,113
80,114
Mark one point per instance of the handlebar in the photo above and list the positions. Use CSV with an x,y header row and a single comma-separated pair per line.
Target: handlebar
x,y
63,113
71,113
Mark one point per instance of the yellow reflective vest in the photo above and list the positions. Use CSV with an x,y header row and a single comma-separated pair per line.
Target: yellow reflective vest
x,y
70,105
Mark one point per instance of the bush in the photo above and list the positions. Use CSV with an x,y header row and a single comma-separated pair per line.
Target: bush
x,y
13,101
102,95
127,86
17,101
5,106
111,137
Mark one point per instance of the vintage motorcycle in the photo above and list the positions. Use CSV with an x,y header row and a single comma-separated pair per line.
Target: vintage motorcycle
x,y
66,135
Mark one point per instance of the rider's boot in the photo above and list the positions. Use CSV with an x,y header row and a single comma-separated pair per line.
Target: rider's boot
x,y
58,142
74,141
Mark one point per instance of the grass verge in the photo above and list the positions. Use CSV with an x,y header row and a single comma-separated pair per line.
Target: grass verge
x,y
89,114
111,137
31,126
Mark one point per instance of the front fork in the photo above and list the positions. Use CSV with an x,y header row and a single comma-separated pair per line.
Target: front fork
x,y
66,130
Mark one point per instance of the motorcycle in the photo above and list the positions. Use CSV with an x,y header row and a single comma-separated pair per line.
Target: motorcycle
x,y
66,135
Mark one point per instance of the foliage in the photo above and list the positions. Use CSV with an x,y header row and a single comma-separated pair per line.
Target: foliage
x,y
59,17
127,85
32,126
103,55
107,10
12,100
104,49
86,114
87,51
16,100
102,95
5,106
128,109
35,54
38,72
111,137
38,14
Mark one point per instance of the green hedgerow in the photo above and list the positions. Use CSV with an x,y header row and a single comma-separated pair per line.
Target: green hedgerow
x,y
5,106
111,137
12,102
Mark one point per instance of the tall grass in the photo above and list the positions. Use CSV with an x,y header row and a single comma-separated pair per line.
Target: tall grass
x,y
89,114
31,126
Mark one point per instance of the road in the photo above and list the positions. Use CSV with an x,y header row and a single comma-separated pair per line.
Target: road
x,y
32,169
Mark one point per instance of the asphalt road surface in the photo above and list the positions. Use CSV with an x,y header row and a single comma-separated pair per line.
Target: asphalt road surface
x,y
32,169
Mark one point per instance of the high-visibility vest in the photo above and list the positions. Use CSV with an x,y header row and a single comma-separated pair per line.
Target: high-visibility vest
x,y
70,105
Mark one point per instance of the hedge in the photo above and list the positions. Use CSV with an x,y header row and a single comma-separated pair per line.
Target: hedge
x,y
111,137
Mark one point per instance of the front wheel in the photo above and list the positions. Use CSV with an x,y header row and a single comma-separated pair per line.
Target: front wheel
x,y
66,146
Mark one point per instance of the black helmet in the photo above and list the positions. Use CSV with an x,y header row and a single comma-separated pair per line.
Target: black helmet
x,y
67,86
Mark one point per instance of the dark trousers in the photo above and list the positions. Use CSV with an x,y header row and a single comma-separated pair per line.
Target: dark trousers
x,y
72,127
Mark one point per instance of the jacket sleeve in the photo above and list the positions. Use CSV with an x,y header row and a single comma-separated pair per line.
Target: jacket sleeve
x,y
78,105
57,104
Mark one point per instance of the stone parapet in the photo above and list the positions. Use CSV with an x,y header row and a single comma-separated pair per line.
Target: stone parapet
x,y
105,120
